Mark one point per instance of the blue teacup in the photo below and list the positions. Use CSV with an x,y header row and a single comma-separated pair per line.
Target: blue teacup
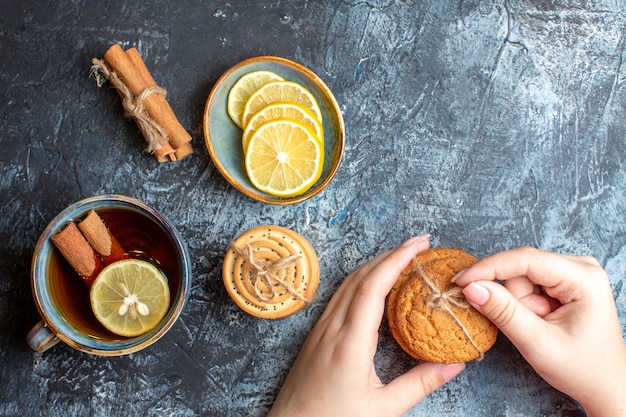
x,y
62,298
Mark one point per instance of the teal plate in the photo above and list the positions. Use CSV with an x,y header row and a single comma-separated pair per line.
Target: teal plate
x,y
223,137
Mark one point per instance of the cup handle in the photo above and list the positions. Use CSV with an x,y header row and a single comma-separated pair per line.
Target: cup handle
x,y
40,338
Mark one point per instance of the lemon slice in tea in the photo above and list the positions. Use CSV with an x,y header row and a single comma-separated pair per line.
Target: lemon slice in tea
x,y
280,91
130,297
276,111
284,158
243,89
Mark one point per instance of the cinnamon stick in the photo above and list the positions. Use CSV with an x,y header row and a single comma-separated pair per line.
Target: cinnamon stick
x,y
100,238
166,152
182,151
132,71
78,253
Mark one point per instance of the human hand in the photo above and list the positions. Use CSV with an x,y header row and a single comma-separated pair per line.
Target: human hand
x,y
559,312
334,373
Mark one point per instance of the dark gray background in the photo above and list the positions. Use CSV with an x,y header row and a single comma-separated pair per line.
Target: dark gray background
x,y
489,124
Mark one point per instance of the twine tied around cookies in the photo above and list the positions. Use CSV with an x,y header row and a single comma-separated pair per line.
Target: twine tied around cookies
x,y
266,272
444,300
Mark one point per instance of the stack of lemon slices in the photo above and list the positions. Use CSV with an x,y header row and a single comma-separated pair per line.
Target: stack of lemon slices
x,y
283,135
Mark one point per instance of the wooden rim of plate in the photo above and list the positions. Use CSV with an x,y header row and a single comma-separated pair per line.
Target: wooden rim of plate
x,y
270,243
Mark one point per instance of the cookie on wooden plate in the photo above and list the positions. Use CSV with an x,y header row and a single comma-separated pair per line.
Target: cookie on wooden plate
x,y
271,271
429,316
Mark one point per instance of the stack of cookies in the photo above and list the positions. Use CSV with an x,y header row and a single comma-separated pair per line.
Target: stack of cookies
x,y
271,272
429,316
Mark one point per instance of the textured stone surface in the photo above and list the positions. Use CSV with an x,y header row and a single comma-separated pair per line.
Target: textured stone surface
x,y
488,124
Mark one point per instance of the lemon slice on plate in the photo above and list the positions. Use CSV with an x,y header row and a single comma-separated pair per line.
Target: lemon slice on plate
x,y
277,111
130,297
280,91
284,158
243,89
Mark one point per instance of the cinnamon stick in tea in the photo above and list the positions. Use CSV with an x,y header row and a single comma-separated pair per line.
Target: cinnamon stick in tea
x,y
100,238
78,253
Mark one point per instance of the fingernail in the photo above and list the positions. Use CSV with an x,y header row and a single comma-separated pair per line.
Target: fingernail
x,y
414,239
476,293
458,274
448,372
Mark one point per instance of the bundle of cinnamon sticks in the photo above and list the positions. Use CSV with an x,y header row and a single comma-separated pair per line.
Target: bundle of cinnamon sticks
x,y
144,101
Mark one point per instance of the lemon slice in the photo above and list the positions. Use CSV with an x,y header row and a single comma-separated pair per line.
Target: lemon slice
x,y
284,158
280,91
276,111
243,89
130,297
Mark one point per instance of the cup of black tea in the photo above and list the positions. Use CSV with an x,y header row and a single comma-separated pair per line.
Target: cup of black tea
x,y
62,297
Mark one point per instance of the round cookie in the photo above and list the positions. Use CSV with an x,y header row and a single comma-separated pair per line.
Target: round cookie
x,y
293,276
430,329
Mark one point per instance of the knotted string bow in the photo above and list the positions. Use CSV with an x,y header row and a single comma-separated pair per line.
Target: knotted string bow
x,y
265,272
444,300
133,105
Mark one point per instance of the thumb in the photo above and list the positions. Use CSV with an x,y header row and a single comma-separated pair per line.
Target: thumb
x,y
513,318
412,387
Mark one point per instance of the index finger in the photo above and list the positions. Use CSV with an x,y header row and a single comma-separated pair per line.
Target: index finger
x,y
562,276
367,306
340,302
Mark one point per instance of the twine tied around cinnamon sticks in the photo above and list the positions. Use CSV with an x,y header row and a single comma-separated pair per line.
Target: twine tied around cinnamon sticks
x,y
266,272
133,105
144,101
444,300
